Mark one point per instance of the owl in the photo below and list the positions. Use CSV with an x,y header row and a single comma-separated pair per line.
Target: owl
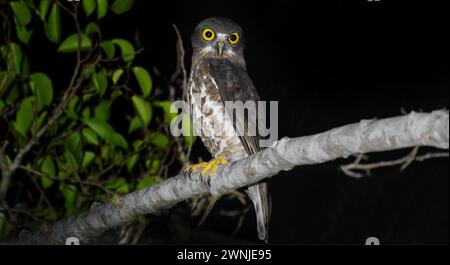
x,y
218,75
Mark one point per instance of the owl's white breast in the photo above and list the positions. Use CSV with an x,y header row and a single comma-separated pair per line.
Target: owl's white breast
x,y
210,120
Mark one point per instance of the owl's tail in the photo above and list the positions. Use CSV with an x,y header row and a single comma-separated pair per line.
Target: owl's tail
x,y
260,196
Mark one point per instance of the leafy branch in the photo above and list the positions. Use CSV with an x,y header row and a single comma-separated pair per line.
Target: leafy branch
x,y
65,140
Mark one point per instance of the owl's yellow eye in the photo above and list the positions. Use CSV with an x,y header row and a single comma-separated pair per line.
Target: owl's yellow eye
x,y
233,38
208,34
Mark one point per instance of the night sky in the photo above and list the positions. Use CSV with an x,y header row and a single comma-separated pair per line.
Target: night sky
x,y
327,63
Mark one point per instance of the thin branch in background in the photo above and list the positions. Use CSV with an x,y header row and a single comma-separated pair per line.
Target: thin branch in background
x,y
140,230
81,182
404,162
241,214
126,233
42,194
212,202
181,69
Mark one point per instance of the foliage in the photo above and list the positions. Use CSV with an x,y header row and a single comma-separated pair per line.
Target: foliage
x,y
80,151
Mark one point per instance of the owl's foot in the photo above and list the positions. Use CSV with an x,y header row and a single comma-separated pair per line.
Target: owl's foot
x,y
209,168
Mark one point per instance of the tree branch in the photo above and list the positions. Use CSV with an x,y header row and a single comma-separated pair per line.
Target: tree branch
x,y
415,129
405,162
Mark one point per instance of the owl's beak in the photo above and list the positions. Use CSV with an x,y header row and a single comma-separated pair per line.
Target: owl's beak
x,y
219,48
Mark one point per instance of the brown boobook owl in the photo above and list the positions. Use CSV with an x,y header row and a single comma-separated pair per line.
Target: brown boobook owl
x,y
218,75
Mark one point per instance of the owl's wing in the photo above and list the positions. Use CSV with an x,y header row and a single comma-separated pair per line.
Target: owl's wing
x,y
234,84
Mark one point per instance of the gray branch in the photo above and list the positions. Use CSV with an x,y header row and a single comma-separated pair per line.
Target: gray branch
x,y
415,129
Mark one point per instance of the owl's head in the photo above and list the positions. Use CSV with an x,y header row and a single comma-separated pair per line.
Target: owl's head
x,y
219,38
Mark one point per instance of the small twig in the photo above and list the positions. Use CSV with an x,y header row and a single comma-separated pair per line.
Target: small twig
x,y
42,193
405,162
240,222
139,232
24,212
117,59
180,62
208,209
83,182
431,156
4,169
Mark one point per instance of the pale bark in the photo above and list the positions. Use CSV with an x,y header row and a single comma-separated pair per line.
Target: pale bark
x,y
415,129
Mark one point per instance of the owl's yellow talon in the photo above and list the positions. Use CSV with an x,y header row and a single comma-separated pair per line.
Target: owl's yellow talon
x,y
210,168
198,166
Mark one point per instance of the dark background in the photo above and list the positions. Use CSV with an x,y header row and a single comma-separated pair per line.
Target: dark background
x,y
328,63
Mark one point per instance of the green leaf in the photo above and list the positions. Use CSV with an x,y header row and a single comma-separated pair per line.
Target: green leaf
x,y
127,50
72,107
148,182
160,140
118,140
24,116
100,81
73,145
71,44
6,79
165,106
23,34
30,4
71,163
109,49
132,162
47,213
53,26
16,57
48,168
43,89
46,182
102,111
135,124
116,75
89,6
41,119
90,136
106,152
143,109
115,94
92,28
70,193
102,8
137,144
106,132
154,166
121,6
86,113
25,66
144,80
21,12
87,159
13,95
120,185
43,8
